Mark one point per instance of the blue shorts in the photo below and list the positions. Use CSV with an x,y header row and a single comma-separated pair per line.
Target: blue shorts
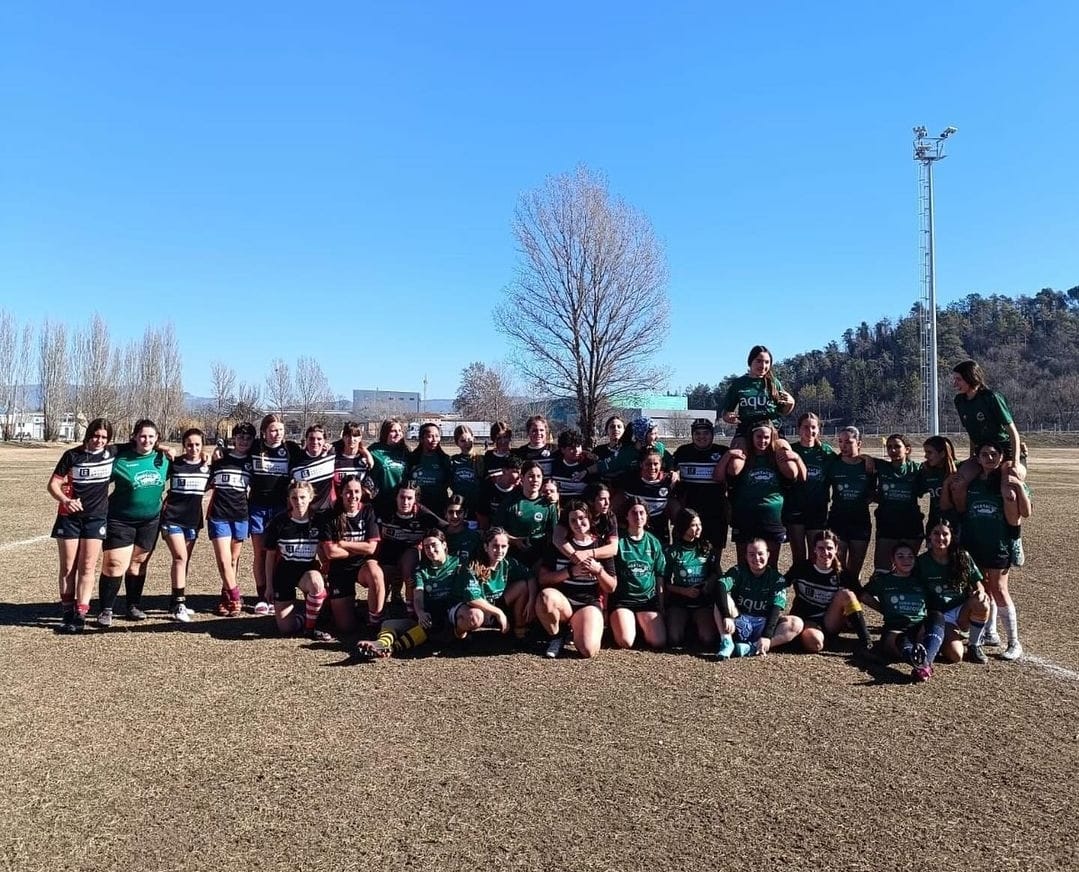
x,y
79,527
227,529
259,517
748,628
190,534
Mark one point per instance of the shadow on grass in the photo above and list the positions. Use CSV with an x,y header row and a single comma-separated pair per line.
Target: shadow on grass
x,y
47,617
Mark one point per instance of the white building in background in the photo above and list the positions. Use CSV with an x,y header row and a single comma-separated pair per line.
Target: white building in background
x,y
30,427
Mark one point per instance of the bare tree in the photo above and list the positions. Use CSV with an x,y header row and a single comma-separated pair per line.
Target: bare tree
x,y
223,385
279,392
312,389
248,406
95,371
16,348
171,379
483,394
53,376
588,308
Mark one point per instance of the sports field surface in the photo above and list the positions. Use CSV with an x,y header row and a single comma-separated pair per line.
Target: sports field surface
x,y
218,745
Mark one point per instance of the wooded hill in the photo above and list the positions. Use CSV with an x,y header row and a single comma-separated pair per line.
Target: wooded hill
x,y
871,376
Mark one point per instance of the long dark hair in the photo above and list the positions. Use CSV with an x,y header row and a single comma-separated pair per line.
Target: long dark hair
x,y
339,521
95,425
769,377
682,520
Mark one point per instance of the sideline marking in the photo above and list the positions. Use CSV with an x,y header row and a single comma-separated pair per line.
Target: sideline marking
x,y
1050,666
7,546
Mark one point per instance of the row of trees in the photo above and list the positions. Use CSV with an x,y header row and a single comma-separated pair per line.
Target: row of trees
x,y
304,392
871,376
81,370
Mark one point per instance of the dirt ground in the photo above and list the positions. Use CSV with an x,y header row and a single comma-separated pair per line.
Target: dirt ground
x,y
217,745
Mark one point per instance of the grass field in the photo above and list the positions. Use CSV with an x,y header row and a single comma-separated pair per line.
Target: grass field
x,y
217,745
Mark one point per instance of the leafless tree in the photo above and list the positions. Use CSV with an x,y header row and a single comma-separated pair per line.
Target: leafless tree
x,y
16,346
312,390
279,391
170,383
483,394
248,405
53,376
588,308
95,371
223,385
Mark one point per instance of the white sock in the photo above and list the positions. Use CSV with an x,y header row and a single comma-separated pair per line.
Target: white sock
x,y
1011,623
991,621
976,628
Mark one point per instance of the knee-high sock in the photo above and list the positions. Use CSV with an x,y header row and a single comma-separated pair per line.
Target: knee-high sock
x,y
312,606
133,585
109,587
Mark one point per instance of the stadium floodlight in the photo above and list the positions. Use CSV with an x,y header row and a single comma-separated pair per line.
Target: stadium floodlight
x,y
927,151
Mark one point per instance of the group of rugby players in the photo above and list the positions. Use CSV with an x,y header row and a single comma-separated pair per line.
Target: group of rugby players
x,y
554,543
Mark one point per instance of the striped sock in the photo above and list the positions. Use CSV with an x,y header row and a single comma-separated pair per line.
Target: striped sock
x,y
312,606
410,639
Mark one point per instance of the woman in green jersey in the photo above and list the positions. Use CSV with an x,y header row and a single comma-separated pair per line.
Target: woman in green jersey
x,y
938,466
689,581
900,598
955,598
498,587
852,479
756,396
898,515
759,593
139,475
637,602
992,506
390,456
429,467
758,477
805,509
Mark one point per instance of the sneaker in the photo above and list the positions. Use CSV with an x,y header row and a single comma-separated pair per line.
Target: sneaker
x,y
922,673
262,608
67,625
726,648
990,640
318,635
1018,556
554,647
742,649
134,613
181,613
1013,652
104,618
975,654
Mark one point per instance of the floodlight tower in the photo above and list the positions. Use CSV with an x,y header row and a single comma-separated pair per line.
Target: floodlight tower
x,y
927,151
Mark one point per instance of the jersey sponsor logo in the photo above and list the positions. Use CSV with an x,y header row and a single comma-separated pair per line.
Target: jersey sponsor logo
x,y
761,476
299,550
150,478
747,604
97,472
698,473
269,465
756,401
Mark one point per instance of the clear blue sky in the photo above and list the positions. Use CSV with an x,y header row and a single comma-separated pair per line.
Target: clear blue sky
x,y
338,180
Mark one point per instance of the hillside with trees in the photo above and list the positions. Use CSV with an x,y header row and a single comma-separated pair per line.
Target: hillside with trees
x,y
871,375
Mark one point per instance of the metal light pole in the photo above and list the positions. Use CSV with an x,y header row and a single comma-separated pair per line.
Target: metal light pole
x,y
928,150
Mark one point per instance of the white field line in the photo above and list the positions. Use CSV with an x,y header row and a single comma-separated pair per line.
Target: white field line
x,y
1051,667
8,546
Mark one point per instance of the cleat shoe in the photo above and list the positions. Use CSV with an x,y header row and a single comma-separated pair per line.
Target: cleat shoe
x,y
922,673
554,647
1013,652
67,626
262,608
726,648
104,619
318,635
134,613
229,608
975,654
990,640
181,613
742,649
366,651
918,656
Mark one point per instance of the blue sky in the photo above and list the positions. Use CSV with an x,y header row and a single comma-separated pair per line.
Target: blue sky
x,y
339,180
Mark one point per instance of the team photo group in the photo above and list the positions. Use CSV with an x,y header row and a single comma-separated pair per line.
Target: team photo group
x,y
558,546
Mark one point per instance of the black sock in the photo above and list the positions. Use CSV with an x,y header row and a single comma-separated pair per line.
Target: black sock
x,y
934,638
109,586
177,598
133,585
